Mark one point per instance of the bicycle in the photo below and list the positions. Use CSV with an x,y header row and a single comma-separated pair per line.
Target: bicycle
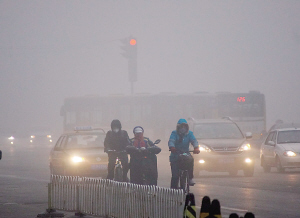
x,y
184,159
118,171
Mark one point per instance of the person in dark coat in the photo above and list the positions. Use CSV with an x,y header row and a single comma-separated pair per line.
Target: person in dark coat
x,y
116,139
143,160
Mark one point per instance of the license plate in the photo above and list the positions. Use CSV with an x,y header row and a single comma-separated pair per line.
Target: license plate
x,y
226,161
99,167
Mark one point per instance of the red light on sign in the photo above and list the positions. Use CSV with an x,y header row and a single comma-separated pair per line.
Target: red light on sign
x,y
241,99
132,42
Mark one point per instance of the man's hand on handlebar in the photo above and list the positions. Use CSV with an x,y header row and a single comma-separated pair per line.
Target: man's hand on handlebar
x,y
173,149
196,150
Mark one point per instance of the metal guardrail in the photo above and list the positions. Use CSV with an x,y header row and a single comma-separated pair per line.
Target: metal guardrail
x,y
107,198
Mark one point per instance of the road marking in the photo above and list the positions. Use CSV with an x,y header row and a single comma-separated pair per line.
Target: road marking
x,y
24,178
234,209
9,203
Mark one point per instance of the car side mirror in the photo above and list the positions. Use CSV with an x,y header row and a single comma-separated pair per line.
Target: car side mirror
x,y
157,141
248,135
0,154
271,143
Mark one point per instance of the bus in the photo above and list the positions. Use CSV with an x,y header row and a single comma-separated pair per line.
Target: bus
x,y
159,113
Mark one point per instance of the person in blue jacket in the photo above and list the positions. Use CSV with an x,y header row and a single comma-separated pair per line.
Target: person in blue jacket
x,y
179,142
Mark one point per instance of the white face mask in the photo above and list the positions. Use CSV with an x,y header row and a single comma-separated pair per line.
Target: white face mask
x,y
116,130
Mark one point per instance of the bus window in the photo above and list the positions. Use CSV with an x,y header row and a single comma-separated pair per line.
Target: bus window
x,y
71,117
146,111
137,112
84,116
97,116
125,113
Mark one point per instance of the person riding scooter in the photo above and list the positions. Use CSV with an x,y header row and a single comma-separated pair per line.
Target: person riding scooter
x,y
143,160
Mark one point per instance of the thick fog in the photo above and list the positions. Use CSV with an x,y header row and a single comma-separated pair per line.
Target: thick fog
x,y
50,50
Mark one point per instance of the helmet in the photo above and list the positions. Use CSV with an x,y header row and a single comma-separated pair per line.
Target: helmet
x,y
138,129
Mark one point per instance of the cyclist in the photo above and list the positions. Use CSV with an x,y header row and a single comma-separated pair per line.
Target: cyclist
x,y
179,141
143,160
116,139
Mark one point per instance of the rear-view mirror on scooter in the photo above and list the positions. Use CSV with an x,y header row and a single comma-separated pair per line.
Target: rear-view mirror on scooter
x,y
157,141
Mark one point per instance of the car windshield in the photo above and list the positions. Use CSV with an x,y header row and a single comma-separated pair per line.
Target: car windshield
x,y
85,141
217,131
291,136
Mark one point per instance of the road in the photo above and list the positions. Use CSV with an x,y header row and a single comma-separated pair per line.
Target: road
x,y
24,175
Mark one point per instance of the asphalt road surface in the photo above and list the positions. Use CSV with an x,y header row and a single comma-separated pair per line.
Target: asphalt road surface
x,y
24,175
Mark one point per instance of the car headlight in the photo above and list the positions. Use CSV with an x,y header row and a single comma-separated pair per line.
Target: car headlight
x,y
204,148
77,159
245,147
32,136
289,153
48,136
11,138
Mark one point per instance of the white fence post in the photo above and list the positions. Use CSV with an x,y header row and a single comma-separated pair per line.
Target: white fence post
x,y
101,197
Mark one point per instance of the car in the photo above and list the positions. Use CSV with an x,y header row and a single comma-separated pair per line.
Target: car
x,y
41,136
80,153
281,149
223,147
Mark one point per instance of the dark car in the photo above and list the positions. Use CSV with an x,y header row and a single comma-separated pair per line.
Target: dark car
x,y
223,146
80,153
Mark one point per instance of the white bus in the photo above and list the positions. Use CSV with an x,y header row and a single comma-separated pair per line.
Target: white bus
x,y
159,113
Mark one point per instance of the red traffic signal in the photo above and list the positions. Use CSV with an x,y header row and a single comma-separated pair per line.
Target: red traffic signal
x,y
129,47
132,41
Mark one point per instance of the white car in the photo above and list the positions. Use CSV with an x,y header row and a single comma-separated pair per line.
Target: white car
x,y
281,149
223,147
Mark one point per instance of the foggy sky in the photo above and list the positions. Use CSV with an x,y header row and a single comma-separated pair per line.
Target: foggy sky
x,y
50,50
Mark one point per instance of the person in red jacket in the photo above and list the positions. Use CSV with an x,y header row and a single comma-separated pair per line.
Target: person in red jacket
x,y
143,160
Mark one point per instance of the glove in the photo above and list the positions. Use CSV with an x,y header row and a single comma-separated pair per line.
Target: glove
x,y
173,149
131,149
196,151
154,150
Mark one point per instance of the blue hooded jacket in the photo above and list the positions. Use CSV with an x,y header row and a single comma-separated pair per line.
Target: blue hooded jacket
x,y
184,144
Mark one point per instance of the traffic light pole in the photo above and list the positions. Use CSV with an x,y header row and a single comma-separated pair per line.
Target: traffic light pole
x,y
129,48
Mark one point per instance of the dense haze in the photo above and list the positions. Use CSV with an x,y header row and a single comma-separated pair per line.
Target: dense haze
x,y
50,50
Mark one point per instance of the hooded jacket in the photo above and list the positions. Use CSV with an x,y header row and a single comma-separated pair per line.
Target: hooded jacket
x,y
116,141
181,143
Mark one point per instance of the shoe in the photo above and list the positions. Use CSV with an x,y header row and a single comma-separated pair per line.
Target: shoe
x,y
192,183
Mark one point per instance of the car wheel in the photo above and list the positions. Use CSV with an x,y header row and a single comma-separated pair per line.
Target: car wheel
x,y
279,167
233,172
265,166
249,171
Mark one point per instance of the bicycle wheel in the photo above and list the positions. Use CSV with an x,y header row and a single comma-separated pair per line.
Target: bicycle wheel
x,y
184,182
118,173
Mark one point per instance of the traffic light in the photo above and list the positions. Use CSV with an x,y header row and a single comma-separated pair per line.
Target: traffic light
x,y
129,47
